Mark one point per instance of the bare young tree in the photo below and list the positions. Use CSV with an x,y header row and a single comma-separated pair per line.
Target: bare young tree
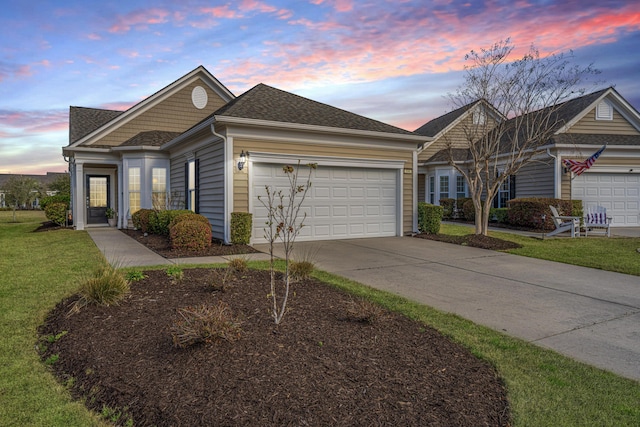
x,y
521,102
283,223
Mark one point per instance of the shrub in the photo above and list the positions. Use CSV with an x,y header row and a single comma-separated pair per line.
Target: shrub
x,y
363,310
135,275
469,210
238,264
534,212
301,270
141,219
462,214
205,324
429,218
175,273
191,235
241,223
501,215
447,205
577,210
188,216
56,212
159,221
107,286
58,198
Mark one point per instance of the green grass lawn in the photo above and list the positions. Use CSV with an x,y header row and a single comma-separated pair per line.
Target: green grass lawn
x,y
39,269
612,254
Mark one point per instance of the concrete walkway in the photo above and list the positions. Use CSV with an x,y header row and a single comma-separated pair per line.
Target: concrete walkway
x,y
587,314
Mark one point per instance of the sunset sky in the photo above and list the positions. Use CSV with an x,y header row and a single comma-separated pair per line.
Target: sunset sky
x,y
393,61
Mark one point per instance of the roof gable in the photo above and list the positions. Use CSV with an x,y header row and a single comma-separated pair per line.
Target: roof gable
x,y
266,103
83,120
437,125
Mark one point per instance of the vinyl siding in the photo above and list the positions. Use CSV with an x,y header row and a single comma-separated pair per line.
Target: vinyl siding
x,y
422,187
175,114
618,126
241,181
536,180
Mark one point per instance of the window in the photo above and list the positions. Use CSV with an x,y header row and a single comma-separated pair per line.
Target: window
x,y
159,188
604,111
506,192
134,190
461,187
432,190
444,187
191,185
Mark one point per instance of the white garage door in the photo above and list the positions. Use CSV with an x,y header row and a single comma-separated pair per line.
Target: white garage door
x,y
619,193
342,202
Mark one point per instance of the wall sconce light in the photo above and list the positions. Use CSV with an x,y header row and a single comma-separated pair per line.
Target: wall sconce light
x,y
243,160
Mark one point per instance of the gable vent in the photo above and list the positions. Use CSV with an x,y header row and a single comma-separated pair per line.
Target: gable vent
x,y
199,97
604,111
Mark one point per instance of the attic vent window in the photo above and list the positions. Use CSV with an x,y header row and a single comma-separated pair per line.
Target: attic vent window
x,y
199,97
604,111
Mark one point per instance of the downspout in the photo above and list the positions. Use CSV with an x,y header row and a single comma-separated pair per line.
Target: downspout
x,y
228,184
415,191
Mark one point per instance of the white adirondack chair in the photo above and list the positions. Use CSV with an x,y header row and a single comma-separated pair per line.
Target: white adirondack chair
x,y
597,219
564,223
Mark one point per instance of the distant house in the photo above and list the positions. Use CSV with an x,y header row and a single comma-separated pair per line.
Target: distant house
x,y
584,125
182,147
44,180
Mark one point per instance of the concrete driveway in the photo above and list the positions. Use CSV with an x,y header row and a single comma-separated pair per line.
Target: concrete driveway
x,y
587,314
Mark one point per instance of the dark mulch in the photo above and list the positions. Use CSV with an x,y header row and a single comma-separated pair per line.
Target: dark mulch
x,y
475,240
161,245
50,226
319,367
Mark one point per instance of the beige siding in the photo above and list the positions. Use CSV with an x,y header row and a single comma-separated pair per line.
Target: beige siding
x,y
536,180
175,114
618,126
241,182
422,187
565,186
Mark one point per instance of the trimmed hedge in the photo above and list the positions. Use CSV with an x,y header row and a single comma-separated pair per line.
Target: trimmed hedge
x,y
58,198
501,215
448,205
529,212
190,234
141,219
429,218
189,216
469,210
241,223
460,202
56,212
159,221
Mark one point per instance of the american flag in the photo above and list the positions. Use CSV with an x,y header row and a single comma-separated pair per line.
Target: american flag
x,y
579,167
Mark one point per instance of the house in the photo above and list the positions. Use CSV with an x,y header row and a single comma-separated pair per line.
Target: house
x,y
582,126
44,180
182,146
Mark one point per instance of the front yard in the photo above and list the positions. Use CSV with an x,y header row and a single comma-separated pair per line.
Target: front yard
x,y
38,270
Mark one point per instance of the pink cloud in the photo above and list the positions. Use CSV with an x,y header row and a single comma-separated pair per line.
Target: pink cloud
x,y
220,12
35,121
117,106
94,36
259,6
140,19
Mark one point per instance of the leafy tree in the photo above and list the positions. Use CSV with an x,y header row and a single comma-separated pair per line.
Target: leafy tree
x,y
61,184
20,191
521,100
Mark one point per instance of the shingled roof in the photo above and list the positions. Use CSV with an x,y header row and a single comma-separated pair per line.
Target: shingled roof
x,y
435,126
263,102
152,138
83,121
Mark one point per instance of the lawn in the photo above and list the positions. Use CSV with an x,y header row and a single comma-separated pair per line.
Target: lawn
x,y
618,254
39,269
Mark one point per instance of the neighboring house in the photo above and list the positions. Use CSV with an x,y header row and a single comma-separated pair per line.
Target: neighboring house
x,y
182,146
584,124
44,180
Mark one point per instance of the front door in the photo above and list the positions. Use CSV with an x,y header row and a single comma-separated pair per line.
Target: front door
x,y
97,199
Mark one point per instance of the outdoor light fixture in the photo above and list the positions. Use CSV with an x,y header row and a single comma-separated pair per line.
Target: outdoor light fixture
x,y
243,160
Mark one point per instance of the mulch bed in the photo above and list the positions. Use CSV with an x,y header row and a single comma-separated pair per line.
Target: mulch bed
x,y
319,367
161,245
474,240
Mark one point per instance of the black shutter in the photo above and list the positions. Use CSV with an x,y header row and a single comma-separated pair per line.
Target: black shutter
x,y
186,185
512,187
197,195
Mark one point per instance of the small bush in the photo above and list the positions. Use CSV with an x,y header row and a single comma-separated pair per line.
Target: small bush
x,y
107,286
188,216
205,324
175,273
448,206
58,198
191,235
469,210
534,212
301,270
159,221
135,276
241,223
501,215
142,218
460,201
429,218
363,310
238,264
577,210
56,212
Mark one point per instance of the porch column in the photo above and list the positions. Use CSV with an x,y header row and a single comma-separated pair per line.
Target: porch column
x,y
79,206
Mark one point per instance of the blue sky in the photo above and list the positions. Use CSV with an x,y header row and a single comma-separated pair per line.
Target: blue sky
x,y
393,61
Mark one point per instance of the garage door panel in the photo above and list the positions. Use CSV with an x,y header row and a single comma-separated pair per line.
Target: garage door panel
x,y
342,203
619,193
